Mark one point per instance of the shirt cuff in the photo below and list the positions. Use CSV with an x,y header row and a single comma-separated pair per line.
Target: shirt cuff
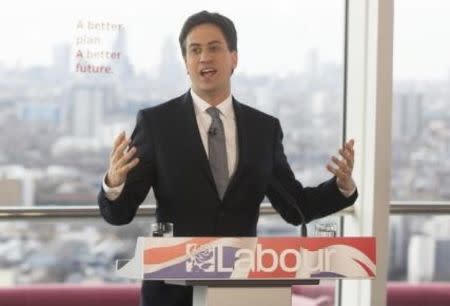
x,y
348,193
112,193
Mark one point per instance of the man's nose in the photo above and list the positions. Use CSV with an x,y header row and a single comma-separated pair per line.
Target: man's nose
x,y
205,56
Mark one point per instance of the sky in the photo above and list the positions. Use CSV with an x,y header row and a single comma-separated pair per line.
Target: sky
x,y
422,39
274,37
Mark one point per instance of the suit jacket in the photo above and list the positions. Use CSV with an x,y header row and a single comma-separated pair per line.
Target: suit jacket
x,y
173,161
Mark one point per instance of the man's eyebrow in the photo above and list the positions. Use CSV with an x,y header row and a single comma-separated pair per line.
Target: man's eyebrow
x,y
209,43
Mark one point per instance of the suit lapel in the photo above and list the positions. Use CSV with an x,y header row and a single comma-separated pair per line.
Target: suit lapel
x,y
242,145
194,141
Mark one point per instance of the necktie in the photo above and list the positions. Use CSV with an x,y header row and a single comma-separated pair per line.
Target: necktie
x,y
217,151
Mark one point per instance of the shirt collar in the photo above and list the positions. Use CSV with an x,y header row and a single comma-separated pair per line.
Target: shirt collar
x,y
225,107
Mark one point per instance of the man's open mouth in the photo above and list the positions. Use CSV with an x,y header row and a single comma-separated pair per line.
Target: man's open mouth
x,y
208,72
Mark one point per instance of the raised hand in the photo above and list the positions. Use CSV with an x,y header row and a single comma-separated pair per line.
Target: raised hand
x,y
121,161
342,168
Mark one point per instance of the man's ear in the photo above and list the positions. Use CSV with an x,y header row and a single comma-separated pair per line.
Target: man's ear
x,y
234,61
234,58
185,64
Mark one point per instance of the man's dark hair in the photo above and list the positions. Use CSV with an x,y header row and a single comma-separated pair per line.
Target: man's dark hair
x,y
222,22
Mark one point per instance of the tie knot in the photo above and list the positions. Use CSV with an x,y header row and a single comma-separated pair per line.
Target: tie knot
x,y
214,112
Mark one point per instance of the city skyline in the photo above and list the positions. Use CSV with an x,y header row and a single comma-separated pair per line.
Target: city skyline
x,y
274,41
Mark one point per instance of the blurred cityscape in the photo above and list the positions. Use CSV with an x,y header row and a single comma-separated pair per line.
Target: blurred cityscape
x,y
419,248
65,251
58,128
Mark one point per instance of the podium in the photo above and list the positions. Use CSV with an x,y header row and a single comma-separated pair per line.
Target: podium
x,y
249,270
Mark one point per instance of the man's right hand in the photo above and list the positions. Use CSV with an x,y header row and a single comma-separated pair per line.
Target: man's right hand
x,y
121,161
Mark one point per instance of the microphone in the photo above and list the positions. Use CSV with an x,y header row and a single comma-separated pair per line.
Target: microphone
x,y
291,201
212,131
303,229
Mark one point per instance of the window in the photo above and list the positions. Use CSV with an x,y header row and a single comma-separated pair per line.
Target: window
x,y
420,137
421,117
60,117
419,243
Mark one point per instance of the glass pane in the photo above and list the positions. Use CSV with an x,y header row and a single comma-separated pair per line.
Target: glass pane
x,y
421,116
419,248
419,269
65,251
58,117
274,225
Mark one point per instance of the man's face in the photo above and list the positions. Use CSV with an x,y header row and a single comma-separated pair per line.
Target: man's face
x,y
208,61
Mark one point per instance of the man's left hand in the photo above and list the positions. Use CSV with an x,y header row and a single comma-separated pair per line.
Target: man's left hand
x,y
342,168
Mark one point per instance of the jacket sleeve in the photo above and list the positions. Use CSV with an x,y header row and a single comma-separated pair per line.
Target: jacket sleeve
x,y
139,179
285,192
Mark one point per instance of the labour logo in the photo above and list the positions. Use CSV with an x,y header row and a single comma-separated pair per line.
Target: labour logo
x,y
201,258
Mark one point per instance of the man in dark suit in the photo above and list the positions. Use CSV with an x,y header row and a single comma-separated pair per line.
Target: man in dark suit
x,y
211,159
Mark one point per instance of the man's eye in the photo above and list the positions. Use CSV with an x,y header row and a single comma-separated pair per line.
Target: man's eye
x,y
214,48
195,50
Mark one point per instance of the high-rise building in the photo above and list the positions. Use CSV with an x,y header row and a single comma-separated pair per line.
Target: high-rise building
x,y
122,66
171,78
61,61
17,186
442,270
421,252
398,245
86,110
408,116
